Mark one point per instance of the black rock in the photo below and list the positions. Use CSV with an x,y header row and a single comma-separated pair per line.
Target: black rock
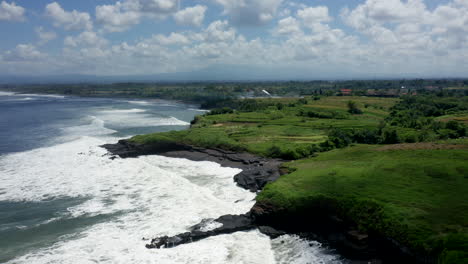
x,y
252,177
230,224
271,232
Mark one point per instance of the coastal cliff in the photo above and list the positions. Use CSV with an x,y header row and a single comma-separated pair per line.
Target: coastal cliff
x,y
318,221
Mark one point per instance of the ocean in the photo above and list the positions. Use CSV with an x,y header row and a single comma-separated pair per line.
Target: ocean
x,y
63,200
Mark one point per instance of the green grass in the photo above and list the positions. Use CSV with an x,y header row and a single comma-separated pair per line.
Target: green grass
x,y
258,131
418,197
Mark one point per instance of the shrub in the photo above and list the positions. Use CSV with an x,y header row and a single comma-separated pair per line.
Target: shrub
x,y
390,136
220,111
456,126
353,109
273,152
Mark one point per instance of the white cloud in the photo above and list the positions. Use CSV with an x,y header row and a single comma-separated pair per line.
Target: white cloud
x,y
250,12
381,12
288,25
73,20
86,38
312,15
23,52
45,36
219,31
115,18
390,38
11,12
172,39
156,7
191,16
403,24
124,14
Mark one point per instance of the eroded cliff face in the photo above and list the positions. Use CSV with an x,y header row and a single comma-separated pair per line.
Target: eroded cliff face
x,y
322,222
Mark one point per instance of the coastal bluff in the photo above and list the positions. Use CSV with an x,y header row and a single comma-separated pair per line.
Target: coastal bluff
x,y
318,222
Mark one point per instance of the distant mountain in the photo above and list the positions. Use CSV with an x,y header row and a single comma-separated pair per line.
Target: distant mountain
x,y
211,73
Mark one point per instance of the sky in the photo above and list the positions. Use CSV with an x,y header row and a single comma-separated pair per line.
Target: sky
x,y
236,39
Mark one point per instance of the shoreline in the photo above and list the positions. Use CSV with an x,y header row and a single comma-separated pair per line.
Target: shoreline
x,y
320,223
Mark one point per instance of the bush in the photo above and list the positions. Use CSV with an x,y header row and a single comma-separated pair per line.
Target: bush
x,y
390,136
353,109
220,111
287,154
273,152
366,136
409,136
456,126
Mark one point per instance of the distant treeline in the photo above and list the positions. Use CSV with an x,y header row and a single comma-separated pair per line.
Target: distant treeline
x,y
210,93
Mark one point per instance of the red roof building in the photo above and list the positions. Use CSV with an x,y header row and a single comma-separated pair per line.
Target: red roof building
x,y
346,91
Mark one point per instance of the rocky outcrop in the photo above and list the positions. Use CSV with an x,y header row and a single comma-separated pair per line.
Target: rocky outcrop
x,y
256,171
225,224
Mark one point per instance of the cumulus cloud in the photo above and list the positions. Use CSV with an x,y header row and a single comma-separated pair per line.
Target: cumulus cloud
x,y
374,12
287,26
250,12
23,52
172,39
191,16
124,14
156,7
402,25
45,36
73,20
314,15
116,18
219,31
11,12
394,37
86,38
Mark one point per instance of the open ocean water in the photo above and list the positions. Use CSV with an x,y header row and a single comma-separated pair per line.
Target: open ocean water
x,y
62,200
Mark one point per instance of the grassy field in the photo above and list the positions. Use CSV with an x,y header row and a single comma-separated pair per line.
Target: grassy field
x,y
285,128
415,193
419,190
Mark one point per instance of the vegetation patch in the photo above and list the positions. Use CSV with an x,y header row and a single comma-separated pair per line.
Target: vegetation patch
x,y
415,196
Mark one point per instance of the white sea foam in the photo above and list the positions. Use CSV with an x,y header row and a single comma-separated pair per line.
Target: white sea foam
x,y
95,127
19,99
141,197
139,102
43,95
198,110
122,118
291,249
211,225
123,111
2,93
156,199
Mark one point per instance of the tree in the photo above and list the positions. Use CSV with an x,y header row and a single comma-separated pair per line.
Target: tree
x,y
353,109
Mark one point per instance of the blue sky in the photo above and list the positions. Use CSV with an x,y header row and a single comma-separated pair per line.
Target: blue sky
x,y
279,39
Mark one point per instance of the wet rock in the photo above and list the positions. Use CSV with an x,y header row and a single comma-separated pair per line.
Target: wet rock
x,y
256,171
229,224
271,232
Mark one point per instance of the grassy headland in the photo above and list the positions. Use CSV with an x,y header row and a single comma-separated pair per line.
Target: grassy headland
x,y
393,166
413,193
